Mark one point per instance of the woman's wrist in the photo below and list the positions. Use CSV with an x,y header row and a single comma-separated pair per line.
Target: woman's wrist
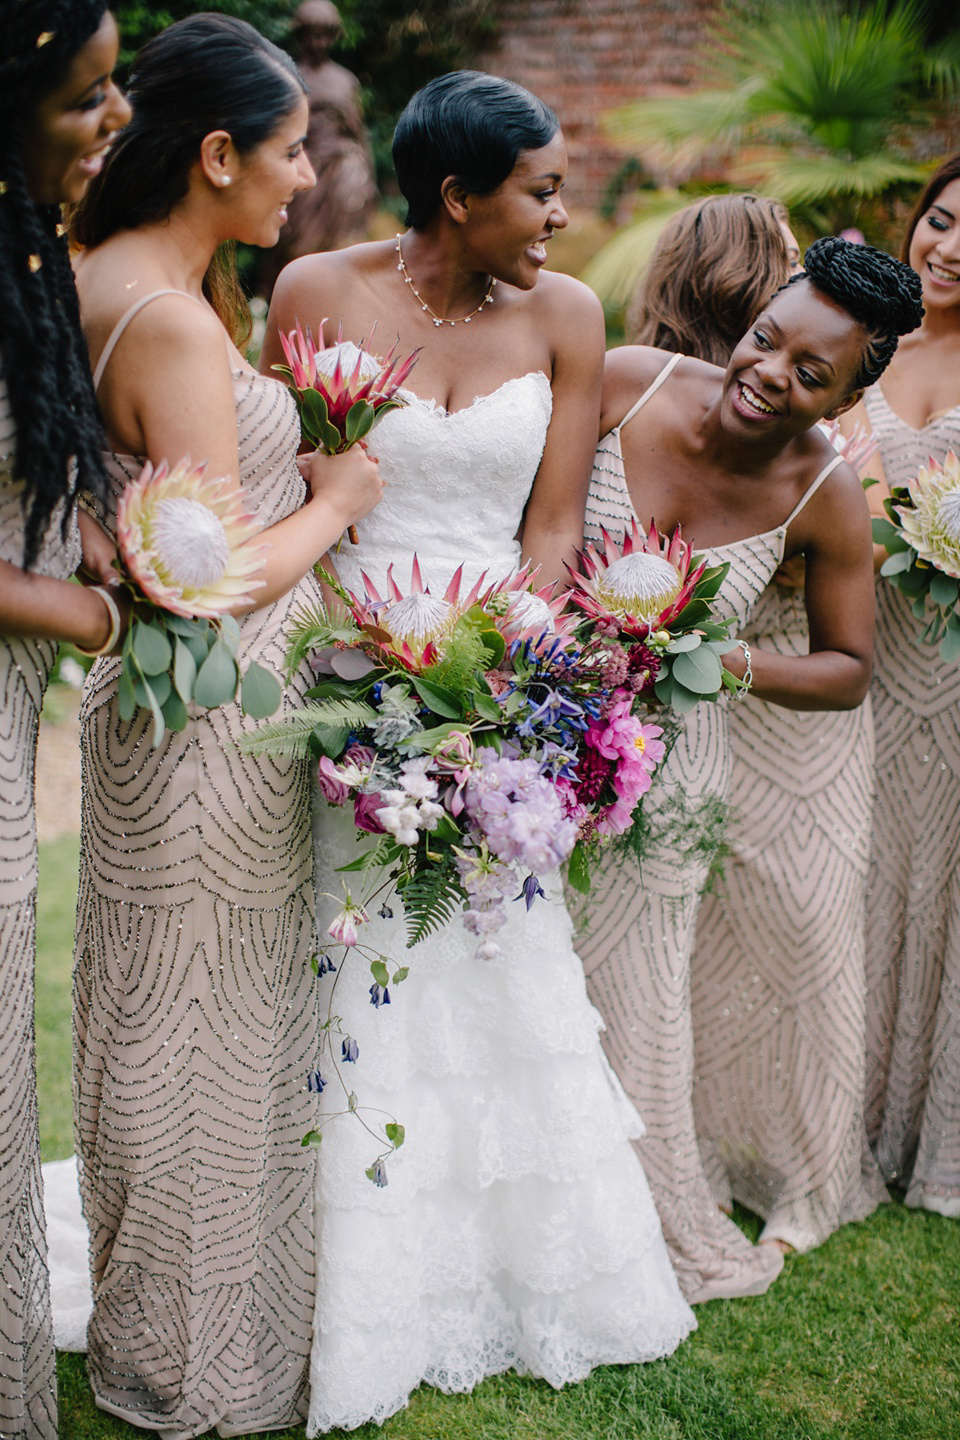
x,y
106,632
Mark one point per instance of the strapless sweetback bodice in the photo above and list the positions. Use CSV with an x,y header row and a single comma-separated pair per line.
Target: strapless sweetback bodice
x,y
457,484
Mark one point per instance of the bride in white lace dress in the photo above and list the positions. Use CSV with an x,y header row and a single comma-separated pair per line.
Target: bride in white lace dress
x,y
517,1228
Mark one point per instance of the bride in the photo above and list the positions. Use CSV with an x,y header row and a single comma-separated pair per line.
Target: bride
x,y
517,1228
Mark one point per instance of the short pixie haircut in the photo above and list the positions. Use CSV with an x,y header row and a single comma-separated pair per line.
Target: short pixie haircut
x,y
466,124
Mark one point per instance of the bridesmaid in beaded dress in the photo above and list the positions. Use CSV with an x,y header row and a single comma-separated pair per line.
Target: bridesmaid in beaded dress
x,y
194,995
58,110
734,457
913,905
777,978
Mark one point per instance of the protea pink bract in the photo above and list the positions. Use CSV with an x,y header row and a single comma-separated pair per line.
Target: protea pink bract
x,y
411,627
187,542
640,587
331,381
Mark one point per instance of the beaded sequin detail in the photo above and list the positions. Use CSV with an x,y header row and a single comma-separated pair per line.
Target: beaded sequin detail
x,y
913,904
194,1028
28,1405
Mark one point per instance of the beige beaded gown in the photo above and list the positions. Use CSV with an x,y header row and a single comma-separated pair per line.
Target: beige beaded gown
x,y
638,927
778,987
913,905
28,1401
194,1029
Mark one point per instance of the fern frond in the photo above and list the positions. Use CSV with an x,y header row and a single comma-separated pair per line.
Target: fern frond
x,y
291,734
314,626
430,900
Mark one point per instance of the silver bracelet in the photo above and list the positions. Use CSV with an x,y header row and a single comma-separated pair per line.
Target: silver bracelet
x,y
113,610
747,680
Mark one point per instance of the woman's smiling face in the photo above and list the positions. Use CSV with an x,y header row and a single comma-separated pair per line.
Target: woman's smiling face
x,y
935,249
797,364
71,127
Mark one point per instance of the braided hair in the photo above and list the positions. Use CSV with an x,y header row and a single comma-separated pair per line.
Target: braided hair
x,y
43,355
883,294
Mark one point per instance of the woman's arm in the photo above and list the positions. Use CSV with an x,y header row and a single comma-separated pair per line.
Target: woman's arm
x,y
174,381
839,596
39,607
553,519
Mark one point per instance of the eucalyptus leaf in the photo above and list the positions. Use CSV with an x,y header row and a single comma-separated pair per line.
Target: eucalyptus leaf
x,y
944,590
217,678
260,692
229,627
160,687
200,644
151,647
184,670
175,715
698,670
683,643
126,699
950,646
896,564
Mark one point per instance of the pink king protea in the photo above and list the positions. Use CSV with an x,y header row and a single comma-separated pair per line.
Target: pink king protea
x,y
187,542
641,587
342,390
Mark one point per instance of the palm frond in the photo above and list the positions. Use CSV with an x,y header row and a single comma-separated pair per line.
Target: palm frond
x,y
679,129
807,179
291,734
314,626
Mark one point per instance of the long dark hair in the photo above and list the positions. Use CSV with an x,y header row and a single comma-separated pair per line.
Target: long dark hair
x,y
208,72
466,124
43,355
715,266
939,180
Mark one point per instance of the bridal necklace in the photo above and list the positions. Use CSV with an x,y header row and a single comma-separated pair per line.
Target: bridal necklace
x,y
440,319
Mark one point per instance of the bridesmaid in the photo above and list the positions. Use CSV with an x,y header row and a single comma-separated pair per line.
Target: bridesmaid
x,y
777,978
734,457
913,906
58,110
194,1016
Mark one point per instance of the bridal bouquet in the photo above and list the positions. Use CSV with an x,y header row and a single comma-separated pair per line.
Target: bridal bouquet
x,y
188,554
922,538
341,390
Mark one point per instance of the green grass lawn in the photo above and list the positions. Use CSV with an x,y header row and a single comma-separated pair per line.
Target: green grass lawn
x,y
858,1341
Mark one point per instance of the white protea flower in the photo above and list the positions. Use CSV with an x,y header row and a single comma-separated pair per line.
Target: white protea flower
x,y
187,542
931,526
639,584
417,619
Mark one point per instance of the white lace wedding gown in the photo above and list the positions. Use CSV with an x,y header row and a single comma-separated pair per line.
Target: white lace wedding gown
x,y
516,1228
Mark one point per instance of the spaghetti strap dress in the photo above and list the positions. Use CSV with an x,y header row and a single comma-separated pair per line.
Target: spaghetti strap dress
x,y
28,1396
913,901
195,1025
778,985
637,928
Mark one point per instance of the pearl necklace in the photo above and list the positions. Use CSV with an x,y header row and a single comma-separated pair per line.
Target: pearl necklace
x,y
440,319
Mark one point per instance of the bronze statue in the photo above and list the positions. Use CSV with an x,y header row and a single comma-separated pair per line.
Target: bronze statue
x,y
338,210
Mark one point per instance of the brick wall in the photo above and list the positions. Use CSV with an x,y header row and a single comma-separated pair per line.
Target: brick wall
x,y
587,56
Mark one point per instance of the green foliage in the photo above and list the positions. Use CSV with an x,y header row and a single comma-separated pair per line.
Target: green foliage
x,y
431,898
139,20
825,98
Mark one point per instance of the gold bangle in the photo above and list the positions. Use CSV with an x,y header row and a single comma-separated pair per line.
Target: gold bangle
x,y
113,610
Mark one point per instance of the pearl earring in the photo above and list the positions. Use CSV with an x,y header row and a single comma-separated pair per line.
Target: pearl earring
x,y
225,180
